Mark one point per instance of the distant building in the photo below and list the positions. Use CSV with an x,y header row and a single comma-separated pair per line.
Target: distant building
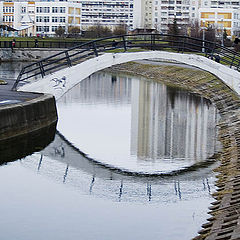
x,y
108,13
40,18
221,18
158,14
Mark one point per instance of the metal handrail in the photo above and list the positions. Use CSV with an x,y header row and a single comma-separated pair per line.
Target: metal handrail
x,y
178,43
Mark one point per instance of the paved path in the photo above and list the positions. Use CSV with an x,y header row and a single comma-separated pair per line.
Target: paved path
x,y
7,96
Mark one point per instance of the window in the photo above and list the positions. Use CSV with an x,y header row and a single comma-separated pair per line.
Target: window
x,y
46,9
54,28
39,28
62,19
62,9
46,28
54,19
54,9
39,9
46,19
38,19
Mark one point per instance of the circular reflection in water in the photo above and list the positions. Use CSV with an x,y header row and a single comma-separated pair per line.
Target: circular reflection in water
x,y
138,126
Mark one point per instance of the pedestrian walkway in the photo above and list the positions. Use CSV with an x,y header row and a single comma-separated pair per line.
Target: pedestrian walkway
x,y
7,96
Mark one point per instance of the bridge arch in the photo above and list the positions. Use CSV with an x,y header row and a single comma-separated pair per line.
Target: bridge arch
x,y
61,81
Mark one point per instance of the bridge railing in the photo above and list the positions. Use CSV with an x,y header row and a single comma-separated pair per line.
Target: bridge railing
x,y
138,42
40,44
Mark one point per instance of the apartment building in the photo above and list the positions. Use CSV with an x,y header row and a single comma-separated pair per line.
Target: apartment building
x,y
221,18
143,14
40,18
158,14
110,13
234,4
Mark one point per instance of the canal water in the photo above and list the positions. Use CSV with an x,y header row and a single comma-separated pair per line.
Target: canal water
x,y
131,159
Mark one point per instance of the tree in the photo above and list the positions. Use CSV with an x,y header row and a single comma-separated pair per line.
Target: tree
x,y
173,31
120,29
60,31
194,30
97,31
173,28
210,33
225,34
74,31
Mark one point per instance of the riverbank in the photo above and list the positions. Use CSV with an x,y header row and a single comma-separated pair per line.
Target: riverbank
x,y
224,223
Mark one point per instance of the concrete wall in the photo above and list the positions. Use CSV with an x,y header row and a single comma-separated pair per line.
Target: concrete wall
x,y
21,118
60,82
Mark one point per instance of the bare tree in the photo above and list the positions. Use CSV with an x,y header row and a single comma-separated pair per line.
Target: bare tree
x,y
97,31
60,31
120,29
74,31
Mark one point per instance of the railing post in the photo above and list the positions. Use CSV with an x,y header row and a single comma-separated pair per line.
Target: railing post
x,y
213,50
18,80
183,46
238,65
151,42
124,44
68,59
41,69
232,60
95,49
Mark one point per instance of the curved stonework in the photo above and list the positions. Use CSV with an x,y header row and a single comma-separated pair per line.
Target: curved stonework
x,y
61,81
26,117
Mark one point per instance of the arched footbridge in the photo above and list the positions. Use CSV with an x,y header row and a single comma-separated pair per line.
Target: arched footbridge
x,y
60,72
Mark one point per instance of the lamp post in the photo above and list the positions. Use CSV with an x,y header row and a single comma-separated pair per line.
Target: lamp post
x,y
222,40
203,37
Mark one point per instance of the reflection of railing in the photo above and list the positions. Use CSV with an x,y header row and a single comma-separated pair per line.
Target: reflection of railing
x,y
83,51
145,183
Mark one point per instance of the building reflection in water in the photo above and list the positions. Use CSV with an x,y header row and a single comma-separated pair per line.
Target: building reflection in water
x,y
170,123
157,128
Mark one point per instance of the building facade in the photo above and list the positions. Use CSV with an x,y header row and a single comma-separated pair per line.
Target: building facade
x,y
158,14
40,18
221,19
110,13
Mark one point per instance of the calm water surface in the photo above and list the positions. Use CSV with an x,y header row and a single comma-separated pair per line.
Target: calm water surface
x,y
129,126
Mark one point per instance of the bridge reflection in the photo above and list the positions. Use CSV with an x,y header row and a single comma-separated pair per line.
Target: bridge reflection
x,y
65,163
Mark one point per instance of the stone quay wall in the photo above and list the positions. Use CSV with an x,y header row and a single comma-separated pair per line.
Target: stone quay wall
x,y
29,116
26,54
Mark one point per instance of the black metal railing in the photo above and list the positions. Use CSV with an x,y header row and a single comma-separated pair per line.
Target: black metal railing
x,y
138,42
40,44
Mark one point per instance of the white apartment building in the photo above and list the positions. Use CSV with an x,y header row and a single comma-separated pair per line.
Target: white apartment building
x,y
110,13
40,18
158,14
143,14
234,4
